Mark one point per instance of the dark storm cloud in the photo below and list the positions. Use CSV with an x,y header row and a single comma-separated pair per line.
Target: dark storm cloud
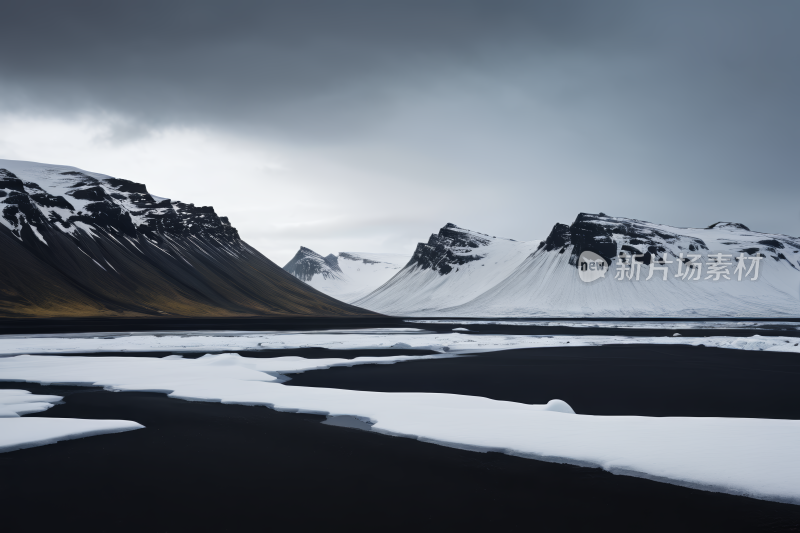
x,y
699,95
301,65
295,65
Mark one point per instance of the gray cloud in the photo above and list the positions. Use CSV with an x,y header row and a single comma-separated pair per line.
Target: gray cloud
x,y
259,64
515,114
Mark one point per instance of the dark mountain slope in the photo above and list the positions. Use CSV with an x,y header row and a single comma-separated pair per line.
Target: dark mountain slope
x,y
76,243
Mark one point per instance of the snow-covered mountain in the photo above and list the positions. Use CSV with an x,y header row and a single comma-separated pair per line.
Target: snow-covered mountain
x,y
547,283
348,276
455,266
78,243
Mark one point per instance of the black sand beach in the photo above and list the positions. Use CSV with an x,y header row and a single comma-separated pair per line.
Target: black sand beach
x,y
210,467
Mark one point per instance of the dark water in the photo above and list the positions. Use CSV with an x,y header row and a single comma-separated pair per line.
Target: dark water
x,y
646,380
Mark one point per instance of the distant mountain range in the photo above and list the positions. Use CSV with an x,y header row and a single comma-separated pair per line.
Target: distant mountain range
x,y
80,244
77,243
348,276
459,272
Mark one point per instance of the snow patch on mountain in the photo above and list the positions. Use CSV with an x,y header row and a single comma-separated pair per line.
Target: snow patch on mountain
x,y
453,267
347,276
41,197
461,273
547,282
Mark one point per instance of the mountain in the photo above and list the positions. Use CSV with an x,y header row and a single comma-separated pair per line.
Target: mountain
x,y
348,276
455,266
78,243
547,283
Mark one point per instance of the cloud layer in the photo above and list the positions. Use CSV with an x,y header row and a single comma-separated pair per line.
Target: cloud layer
x,y
371,124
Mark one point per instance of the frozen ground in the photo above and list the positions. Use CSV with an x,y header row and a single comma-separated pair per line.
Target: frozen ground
x,y
752,457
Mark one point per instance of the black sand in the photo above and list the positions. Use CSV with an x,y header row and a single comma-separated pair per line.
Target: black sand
x,y
211,467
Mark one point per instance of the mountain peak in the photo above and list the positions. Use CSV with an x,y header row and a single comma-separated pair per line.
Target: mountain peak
x,y
307,263
348,276
449,247
54,198
728,225
455,265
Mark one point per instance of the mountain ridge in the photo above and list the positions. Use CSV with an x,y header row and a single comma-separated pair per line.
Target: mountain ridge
x,y
78,243
455,273
547,282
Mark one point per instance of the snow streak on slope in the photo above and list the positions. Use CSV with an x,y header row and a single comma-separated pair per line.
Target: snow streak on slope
x,y
78,243
348,276
751,457
452,268
547,282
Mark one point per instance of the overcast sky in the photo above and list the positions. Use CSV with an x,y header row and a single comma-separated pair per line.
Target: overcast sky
x,y
367,125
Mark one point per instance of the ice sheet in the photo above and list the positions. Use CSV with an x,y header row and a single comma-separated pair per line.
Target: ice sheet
x,y
751,457
403,338
14,403
19,433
